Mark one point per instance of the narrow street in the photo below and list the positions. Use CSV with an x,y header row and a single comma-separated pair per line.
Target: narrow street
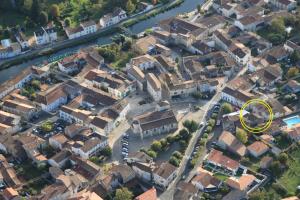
x,y
169,193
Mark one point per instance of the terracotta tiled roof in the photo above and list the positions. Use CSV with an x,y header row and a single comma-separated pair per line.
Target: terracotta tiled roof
x,y
218,157
148,195
241,183
258,147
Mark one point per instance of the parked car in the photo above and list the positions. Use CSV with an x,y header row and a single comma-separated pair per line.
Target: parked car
x,y
201,124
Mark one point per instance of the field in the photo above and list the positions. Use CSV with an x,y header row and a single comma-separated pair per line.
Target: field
x,y
291,178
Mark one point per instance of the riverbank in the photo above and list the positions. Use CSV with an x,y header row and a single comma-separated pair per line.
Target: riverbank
x,y
84,39
153,13
12,69
56,47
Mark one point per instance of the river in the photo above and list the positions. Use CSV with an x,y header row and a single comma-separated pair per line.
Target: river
x,y
186,6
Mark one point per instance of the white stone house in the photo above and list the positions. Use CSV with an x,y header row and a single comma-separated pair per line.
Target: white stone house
x,y
164,174
113,18
45,35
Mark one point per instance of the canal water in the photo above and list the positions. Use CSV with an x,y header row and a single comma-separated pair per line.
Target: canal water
x,y
186,6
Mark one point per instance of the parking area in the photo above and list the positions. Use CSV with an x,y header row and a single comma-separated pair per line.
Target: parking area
x,y
129,143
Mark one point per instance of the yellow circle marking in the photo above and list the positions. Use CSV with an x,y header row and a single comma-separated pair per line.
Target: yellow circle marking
x,y
261,128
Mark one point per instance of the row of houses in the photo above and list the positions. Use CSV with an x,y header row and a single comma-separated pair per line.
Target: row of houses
x,y
48,34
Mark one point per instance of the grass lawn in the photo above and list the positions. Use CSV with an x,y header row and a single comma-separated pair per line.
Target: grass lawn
x,y
221,177
291,178
123,59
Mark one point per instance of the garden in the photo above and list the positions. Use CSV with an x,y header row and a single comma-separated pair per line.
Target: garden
x,y
118,53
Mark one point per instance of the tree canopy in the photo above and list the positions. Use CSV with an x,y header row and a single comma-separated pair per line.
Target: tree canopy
x,y
242,135
226,108
123,194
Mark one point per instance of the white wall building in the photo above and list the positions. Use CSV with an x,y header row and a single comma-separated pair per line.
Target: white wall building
x,y
164,174
113,18
45,36
154,87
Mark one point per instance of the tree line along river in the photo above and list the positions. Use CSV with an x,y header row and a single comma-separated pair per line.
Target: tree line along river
x,y
186,6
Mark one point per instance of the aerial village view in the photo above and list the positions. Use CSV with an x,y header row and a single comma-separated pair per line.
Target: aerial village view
x,y
149,99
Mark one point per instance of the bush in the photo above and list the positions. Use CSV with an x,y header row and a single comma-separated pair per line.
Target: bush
x,y
283,158
205,135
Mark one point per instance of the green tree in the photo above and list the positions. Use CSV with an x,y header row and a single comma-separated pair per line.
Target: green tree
x,y
295,57
170,139
107,151
152,154
226,108
293,71
127,45
130,7
43,18
174,161
199,8
36,9
283,158
184,134
54,11
177,155
67,22
191,125
164,143
47,126
241,135
156,146
123,194
277,26
212,122
36,84
208,129
275,168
